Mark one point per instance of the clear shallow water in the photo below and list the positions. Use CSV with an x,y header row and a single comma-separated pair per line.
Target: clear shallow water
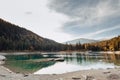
x,y
73,62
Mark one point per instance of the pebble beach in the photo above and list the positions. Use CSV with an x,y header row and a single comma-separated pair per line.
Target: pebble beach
x,y
100,74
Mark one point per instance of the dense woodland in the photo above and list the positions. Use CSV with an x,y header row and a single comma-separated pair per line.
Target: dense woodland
x,y
106,45
15,38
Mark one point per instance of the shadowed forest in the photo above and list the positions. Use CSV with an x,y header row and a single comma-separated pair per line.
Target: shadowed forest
x,y
15,38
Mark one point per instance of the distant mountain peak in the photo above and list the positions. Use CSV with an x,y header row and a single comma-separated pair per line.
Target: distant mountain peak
x,y
81,40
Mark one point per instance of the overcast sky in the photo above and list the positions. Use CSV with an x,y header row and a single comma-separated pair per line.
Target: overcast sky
x,y
63,20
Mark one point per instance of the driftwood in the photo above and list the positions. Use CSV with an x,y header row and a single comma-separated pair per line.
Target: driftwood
x,y
59,59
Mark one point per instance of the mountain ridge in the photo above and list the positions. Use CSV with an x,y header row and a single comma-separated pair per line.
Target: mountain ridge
x,y
13,37
81,40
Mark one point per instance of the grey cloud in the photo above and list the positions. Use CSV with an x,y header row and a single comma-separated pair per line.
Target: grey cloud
x,y
88,15
75,27
72,7
109,33
77,7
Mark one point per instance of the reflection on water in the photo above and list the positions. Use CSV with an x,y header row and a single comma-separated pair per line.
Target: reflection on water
x,y
113,58
73,62
26,63
23,66
63,67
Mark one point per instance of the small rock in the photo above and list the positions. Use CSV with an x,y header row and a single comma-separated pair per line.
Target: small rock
x,y
59,79
25,75
109,68
113,77
2,75
17,72
76,78
89,78
106,72
54,74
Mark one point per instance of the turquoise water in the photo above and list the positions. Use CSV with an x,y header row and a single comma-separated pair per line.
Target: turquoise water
x,y
35,63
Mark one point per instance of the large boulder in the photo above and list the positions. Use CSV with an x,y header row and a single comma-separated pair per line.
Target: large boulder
x,y
2,58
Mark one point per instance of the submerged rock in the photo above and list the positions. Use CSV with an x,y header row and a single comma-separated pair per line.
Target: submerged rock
x,y
59,59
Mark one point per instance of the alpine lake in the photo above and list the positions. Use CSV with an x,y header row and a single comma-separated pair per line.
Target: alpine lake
x,y
47,63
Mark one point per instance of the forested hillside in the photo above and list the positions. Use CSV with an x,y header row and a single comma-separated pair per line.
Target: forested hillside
x,y
106,45
13,37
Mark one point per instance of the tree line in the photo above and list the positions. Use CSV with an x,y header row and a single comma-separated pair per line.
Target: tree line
x,y
15,38
106,45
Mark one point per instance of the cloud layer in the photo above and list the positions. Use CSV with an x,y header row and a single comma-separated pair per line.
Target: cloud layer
x,y
89,18
35,16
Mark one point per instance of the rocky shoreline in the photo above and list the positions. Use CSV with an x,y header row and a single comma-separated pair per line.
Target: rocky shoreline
x,y
101,74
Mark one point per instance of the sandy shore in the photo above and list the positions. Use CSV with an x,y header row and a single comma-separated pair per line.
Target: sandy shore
x,y
108,74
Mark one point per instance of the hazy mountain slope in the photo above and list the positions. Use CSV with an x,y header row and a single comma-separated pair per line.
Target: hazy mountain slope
x,y
81,40
13,37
